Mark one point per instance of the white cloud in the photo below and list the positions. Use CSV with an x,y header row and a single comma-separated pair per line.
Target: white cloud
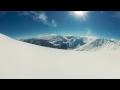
x,y
88,32
39,16
35,15
54,23
117,14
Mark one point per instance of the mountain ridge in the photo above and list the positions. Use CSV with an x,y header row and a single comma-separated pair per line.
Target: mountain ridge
x,y
72,42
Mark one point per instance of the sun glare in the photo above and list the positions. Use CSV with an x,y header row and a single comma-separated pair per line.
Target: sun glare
x,y
80,14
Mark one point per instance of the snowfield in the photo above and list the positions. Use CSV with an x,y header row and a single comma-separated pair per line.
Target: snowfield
x,y
20,60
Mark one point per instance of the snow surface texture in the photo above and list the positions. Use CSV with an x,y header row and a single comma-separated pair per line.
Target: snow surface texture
x,y
78,43
25,61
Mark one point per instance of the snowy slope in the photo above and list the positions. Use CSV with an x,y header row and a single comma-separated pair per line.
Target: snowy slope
x,y
23,60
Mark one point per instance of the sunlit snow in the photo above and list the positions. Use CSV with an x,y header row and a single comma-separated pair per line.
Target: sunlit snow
x,y
23,60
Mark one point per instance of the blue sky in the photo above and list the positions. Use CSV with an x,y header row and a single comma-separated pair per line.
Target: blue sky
x,y
103,24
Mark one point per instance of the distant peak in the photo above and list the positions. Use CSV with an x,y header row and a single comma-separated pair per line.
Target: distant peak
x,y
53,34
113,39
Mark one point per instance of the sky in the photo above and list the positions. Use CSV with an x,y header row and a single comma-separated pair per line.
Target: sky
x,y
18,24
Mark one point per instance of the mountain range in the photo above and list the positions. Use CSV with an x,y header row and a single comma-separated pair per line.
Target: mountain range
x,y
71,42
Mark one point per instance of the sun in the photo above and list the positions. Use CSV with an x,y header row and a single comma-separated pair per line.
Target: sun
x,y
80,15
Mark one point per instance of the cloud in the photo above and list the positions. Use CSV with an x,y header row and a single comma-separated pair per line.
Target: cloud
x,y
23,13
117,14
101,11
39,16
54,23
2,13
35,15
88,32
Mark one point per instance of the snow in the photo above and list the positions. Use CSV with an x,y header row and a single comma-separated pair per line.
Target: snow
x,y
62,41
78,43
25,61
100,45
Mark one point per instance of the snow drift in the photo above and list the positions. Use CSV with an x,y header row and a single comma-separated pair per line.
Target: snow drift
x,y
23,60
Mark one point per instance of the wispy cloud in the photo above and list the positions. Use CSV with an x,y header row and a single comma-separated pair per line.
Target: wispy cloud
x,y
39,16
23,13
54,23
88,32
101,11
35,15
2,13
116,14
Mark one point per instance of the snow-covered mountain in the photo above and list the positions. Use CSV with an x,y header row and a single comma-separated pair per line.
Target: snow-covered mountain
x,y
100,45
20,60
78,43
